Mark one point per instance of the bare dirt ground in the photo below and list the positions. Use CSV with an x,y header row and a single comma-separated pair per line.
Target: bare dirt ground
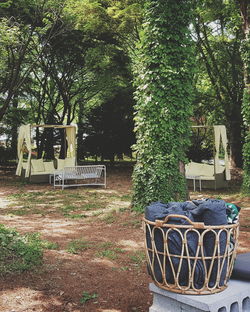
x,y
110,269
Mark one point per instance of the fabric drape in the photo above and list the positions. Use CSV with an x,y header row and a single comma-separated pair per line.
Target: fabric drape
x,y
24,136
225,144
71,139
217,136
220,136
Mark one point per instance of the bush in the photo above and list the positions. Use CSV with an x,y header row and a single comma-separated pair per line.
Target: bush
x,y
19,252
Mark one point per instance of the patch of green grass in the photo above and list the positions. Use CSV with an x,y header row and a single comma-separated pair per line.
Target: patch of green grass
x,y
138,258
123,209
106,245
94,205
126,197
86,296
135,223
31,202
76,216
76,196
49,245
78,245
96,214
19,252
68,208
19,212
29,195
108,253
25,210
108,250
110,218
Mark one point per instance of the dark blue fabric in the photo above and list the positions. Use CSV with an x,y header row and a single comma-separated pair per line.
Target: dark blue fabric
x,y
241,268
209,211
159,210
213,212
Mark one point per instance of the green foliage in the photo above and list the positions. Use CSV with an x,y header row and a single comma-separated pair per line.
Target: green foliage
x,y
8,37
18,253
246,147
163,77
109,250
219,85
246,167
245,54
86,296
49,245
110,127
110,254
5,154
138,258
77,246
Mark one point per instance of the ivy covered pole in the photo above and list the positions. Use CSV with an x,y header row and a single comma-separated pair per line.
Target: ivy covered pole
x,y
164,87
245,54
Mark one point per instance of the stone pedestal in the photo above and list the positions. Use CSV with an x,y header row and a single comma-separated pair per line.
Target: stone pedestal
x,y
235,298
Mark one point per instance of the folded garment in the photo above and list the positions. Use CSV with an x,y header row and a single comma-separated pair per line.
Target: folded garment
x,y
180,263
241,268
232,213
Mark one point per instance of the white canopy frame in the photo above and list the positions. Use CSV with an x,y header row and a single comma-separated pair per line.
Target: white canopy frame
x,y
220,140
25,136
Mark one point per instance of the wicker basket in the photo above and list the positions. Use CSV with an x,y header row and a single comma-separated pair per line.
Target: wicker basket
x,y
192,258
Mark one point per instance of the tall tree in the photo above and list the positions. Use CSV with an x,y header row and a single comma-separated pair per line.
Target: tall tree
x,y
218,41
109,127
164,75
245,53
28,17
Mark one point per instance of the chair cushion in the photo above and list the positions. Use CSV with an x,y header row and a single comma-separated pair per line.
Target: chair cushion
x,y
199,169
60,164
241,268
49,166
69,162
37,165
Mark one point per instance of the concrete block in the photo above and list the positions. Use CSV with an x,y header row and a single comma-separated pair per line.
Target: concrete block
x,y
235,298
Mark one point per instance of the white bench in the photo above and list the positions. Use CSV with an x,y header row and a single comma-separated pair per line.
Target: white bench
x,y
81,175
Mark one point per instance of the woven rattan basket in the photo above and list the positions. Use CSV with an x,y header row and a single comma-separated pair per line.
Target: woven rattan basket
x,y
191,258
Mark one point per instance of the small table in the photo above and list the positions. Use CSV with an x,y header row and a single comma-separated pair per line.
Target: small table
x,y
195,177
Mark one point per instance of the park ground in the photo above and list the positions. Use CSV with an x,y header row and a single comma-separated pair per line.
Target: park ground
x,y
95,259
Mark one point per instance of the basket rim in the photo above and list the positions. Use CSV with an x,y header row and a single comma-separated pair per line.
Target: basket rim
x,y
193,225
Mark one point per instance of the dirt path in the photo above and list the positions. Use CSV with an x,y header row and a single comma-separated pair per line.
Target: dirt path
x,y
110,269
118,280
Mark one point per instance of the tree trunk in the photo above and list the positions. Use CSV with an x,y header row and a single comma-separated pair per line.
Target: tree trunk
x,y
235,137
49,143
164,102
14,128
63,142
236,145
80,133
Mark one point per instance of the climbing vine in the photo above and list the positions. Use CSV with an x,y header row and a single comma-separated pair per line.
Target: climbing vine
x,y
163,78
245,54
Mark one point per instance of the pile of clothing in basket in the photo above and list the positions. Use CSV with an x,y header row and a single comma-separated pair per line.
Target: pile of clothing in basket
x,y
211,212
